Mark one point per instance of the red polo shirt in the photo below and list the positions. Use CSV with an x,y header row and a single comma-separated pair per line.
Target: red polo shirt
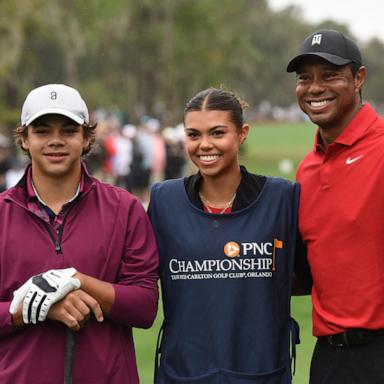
x,y
341,220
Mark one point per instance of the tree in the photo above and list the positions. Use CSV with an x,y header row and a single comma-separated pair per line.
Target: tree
x,y
149,56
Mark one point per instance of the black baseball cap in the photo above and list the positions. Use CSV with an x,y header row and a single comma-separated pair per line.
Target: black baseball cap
x,y
331,45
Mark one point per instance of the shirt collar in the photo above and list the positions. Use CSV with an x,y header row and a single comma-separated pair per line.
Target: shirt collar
x,y
358,126
32,192
319,145
354,130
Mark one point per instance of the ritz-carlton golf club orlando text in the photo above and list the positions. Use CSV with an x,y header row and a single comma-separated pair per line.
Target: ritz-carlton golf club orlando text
x,y
244,260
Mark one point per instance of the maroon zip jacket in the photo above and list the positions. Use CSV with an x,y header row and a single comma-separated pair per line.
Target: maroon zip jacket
x,y
106,234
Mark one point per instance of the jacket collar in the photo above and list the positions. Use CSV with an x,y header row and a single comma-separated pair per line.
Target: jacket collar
x,y
23,190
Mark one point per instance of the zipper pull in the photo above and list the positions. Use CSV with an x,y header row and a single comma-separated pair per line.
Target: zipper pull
x,y
57,247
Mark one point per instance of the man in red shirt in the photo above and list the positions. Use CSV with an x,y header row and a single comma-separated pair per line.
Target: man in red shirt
x,y
341,211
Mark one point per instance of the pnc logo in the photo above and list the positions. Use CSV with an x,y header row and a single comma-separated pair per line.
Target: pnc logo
x,y
232,249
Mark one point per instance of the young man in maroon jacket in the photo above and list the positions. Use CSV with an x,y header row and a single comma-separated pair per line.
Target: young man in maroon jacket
x,y
78,259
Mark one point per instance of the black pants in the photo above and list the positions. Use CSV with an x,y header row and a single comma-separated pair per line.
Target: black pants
x,y
358,364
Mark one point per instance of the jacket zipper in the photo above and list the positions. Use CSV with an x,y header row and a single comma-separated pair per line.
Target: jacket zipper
x,y
56,241
68,363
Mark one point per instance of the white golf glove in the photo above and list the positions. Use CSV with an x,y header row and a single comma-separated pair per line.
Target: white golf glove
x,y
40,292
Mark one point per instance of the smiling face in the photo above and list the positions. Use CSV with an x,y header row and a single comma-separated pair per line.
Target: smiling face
x,y
55,144
213,141
327,93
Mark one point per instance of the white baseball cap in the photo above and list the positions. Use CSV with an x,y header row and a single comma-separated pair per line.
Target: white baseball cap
x,y
54,99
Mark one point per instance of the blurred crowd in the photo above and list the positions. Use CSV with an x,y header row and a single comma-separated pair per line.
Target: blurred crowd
x,y
130,156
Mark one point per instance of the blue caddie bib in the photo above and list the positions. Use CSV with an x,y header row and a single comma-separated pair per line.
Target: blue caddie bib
x,y
226,287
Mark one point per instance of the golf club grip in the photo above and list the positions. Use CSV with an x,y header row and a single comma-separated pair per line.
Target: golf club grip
x,y
69,356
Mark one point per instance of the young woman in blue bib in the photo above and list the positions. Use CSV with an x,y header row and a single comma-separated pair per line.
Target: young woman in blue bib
x,y
227,242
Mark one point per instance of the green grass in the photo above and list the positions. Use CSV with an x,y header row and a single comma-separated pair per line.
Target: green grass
x,y
266,145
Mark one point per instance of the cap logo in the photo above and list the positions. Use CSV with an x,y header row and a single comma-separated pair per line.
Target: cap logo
x,y
316,39
53,95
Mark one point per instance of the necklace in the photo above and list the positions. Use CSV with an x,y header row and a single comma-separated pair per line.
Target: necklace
x,y
209,204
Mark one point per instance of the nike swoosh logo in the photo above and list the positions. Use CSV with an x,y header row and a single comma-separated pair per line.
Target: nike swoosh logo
x,y
351,160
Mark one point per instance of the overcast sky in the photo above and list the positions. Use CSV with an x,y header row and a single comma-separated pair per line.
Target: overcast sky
x,y
363,17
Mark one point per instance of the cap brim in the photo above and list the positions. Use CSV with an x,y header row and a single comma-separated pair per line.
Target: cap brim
x,y
55,111
337,60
